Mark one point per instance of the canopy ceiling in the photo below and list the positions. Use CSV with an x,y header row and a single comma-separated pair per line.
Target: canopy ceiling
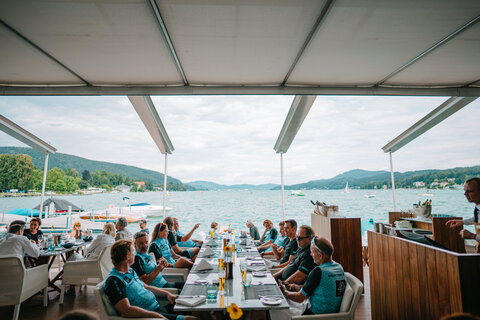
x,y
89,47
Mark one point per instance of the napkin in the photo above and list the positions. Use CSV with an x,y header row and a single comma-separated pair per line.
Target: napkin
x,y
190,301
208,252
209,243
256,268
243,241
243,235
256,263
203,265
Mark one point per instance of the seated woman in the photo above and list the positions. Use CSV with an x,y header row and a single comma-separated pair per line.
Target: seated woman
x,y
161,248
34,234
76,227
324,287
269,235
184,240
172,240
277,248
105,239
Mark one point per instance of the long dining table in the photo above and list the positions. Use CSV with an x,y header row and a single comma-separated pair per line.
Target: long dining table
x,y
246,298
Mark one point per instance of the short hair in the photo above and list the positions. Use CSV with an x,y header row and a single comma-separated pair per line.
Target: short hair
x,y
213,225
308,230
143,221
324,246
169,222
122,222
281,223
249,222
476,180
109,228
292,222
20,222
39,221
267,221
14,228
139,235
120,250
79,315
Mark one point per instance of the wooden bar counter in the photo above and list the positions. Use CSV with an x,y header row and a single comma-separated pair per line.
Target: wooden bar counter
x,y
409,280
345,234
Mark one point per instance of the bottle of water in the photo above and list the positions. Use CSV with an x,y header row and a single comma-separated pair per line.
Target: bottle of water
x,y
50,243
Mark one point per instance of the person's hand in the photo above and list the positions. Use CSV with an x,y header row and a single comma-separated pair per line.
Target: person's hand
x,y
293,287
465,234
196,226
162,263
274,246
171,298
287,282
33,241
454,223
281,286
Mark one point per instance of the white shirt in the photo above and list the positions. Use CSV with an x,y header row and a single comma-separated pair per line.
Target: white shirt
x,y
100,242
471,220
15,244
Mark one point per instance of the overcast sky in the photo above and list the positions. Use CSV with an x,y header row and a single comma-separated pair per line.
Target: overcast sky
x,y
230,139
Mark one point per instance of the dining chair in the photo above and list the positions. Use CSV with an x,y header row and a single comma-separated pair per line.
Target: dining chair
x,y
20,283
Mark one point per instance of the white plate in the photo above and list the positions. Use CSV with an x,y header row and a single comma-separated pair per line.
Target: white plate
x,y
259,274
200,281
271,301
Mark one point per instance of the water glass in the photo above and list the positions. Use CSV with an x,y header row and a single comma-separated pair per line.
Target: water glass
x,y
248,280
221,281
211,292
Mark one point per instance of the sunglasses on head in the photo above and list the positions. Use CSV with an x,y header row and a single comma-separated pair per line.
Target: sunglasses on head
x,y
162,226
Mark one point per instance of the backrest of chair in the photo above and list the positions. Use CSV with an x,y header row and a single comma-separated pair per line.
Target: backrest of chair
x,y
107,310
357,287
12,270
105,262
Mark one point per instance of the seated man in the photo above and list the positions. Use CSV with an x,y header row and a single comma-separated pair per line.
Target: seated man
x,y
252,229
15,243
184,239
161,248
269,235
302,263
127,293
277,247
290,248
143,226
147,268
122,232
172,240
324,286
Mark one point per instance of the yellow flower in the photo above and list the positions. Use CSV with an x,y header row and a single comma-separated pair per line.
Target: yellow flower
x,y
234,311
227,249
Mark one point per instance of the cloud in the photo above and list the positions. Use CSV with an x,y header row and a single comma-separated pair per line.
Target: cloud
x,y
230,139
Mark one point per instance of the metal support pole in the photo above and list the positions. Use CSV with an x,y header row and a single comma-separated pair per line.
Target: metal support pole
x,y
393,182
45,169
283,191
165,186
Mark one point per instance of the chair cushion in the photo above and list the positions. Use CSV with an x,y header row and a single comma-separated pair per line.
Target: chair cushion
x,y
347,299
109,308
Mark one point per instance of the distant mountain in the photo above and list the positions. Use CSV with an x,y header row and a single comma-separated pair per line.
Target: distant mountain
x,y
207,185
64,161
370,179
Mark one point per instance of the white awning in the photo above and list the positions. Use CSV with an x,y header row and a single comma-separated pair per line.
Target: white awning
x,y
150,118
307,47
24,136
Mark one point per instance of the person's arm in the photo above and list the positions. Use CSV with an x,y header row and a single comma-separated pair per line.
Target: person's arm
x,y
30,248
174,255
304,269
262,238
171,297
298,277
188,235
128,311
278,274
283,265
265,245
148,278
278,252
156,251
93,246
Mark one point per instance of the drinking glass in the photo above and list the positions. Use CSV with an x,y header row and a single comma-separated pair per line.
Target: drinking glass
x,y
248,280
243,268
221,281
220,262
211,292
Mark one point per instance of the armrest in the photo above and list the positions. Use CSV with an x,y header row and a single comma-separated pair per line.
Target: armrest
x,y
178,272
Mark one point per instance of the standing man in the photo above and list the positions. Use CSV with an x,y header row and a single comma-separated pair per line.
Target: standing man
x,y
122,233
472,193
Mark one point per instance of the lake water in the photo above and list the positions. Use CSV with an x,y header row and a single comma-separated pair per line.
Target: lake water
x,y
236,207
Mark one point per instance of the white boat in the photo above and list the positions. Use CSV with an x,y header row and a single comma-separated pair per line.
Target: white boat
x,y
297,193
145,209
426,194
347,190
369,195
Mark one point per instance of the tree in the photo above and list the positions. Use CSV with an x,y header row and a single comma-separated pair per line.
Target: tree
x,y
53,176
83,184
148,186
72,183
86,175
60,185
133,188
71,172
16,172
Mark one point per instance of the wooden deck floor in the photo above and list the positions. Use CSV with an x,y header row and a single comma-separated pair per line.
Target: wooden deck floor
x,y
32,309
